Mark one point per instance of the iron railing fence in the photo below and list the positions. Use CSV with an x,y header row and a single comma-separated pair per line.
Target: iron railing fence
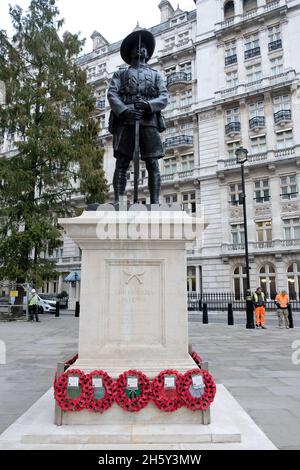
x,y
218,302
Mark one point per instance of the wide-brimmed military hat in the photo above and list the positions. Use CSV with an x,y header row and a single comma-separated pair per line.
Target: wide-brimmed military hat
x,y
132,40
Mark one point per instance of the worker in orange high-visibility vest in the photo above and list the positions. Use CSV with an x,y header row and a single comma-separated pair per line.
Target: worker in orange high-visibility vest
x,y
282,302
258,300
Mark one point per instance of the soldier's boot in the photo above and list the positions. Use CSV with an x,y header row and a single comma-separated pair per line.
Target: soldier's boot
x,y
154,180
119,183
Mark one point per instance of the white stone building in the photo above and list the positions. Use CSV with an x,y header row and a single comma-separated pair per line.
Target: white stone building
x,y
232,71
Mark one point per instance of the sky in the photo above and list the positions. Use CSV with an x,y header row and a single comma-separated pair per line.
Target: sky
x,y
114,19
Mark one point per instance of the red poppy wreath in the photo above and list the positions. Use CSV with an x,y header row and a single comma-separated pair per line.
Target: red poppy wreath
x,y
61,391
106,390
135,399
197,396
167,399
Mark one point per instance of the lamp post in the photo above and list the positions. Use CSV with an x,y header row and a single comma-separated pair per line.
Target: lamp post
x,y
241,158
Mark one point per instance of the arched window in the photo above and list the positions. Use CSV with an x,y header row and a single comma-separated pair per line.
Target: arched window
x,y
240,282
267,280
228,10
249,5
293,274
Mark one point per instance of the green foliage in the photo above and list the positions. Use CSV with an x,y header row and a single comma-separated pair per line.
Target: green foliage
x,y
49,115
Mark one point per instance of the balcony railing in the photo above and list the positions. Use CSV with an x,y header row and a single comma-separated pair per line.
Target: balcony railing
x,y
178,141
292,242
257,122
233,127
252,52
275,45
284,115
178,77
231,59
264,244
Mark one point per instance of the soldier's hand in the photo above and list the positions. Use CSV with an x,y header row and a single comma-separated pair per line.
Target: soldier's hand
x,y
141,104
134,114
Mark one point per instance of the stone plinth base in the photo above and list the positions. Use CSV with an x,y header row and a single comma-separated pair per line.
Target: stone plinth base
x,y
231,428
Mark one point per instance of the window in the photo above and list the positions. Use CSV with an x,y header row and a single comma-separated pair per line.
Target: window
x,y
264,232
252,48
288,186
230,53
253,73
281,102
172,103
232,79
231,149
186,98
170,42
187,128
170,70
293,274
183,38
240,282
101,68
186,67
238,234
235,191
284,140
258,145
191,279
276,66
262,192
170,165
171,199
291,228
187,162
101,120
189,202
228,10
274,33
233,115
256,109
267,281
249,5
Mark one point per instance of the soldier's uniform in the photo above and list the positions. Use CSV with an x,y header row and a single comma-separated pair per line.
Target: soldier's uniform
x,y
125,87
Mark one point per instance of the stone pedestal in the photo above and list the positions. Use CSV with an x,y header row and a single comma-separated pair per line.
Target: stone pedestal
x,y
133,303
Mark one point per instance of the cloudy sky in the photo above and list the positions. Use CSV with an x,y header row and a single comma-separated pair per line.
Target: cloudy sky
x,y
114,19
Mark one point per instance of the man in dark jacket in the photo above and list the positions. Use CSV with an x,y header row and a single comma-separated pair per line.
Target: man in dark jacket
x,y
138,93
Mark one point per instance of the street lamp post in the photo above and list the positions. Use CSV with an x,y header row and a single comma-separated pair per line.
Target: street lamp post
x,y
241,158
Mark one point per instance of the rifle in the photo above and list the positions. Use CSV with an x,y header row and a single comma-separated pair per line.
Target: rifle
x,y
136,154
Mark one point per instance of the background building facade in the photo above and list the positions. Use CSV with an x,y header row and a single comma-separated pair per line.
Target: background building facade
x,y
232,72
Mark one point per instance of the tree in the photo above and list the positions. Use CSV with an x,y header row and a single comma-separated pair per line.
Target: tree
x,y
49,116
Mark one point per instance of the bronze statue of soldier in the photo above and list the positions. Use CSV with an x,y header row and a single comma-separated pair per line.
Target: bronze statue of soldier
x,y
137,95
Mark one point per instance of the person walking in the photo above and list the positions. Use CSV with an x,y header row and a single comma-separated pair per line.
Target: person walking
x,y
258,299
282,301
33,306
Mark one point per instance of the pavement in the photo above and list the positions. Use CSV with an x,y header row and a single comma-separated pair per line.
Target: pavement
x,y
254,365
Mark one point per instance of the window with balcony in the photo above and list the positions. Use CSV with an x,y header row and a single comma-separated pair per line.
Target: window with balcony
x,y
253,73
293,275
258,144
275,41
291,228
276,66
170,71
233,124
261,191
235,194
186,98
288,186
282,108
187,128
256,115
187,162
264,233
171,198
252,48
170,165
228,10
230,53
284,140
186,67
231,149
238,234
232,79
240,282
267,280
189,202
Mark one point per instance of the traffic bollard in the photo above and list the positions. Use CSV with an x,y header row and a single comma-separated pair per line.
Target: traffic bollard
x,y
77,309
291,320
230,315
205,314
57,305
